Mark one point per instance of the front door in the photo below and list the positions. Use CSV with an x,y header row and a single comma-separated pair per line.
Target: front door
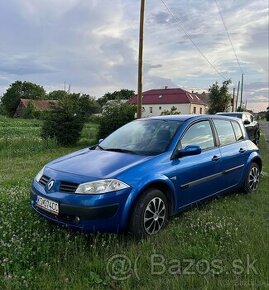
x,y
197,177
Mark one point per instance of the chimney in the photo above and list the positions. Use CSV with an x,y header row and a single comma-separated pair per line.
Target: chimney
x,y
166,87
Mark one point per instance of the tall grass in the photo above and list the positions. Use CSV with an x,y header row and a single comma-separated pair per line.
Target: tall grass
x,y
37,255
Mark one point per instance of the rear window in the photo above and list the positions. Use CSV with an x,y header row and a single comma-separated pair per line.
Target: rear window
x,y
225,132
237,131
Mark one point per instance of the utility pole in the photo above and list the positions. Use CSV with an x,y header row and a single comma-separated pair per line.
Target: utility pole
x,y
140,60
237,95
241,99
233,103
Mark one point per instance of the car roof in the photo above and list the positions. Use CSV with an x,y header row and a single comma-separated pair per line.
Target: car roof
x,y
232,113
184,118
173,117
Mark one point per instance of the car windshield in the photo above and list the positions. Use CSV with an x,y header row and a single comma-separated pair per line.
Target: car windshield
x,y
145,137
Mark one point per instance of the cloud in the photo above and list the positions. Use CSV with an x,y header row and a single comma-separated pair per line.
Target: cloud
x,y
93,45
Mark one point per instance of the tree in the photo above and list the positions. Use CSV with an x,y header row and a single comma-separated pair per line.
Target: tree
x,y
65,122
29,112
88,105
267,114
219,97
56,95
123,94
173,111
20,90
115,116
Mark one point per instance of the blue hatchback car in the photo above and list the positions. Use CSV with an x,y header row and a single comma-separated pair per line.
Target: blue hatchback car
x,y
145,172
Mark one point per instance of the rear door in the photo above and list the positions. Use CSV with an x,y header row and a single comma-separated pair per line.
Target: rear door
x,y
233,150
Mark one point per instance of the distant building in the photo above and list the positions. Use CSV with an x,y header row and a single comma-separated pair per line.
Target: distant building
x,y
38,105
156,101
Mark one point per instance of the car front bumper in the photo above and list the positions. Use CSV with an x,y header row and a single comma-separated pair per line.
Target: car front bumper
x,y
87,213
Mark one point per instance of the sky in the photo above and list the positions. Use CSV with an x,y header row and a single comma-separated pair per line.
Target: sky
x,y
93,45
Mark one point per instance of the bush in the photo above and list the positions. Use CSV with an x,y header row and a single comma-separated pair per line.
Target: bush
x,y
173,111
65,122
114,117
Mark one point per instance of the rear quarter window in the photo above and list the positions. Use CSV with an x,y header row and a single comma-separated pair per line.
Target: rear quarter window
x,y
225,132
237,131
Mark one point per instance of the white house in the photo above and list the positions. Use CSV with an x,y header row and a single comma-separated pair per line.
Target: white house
x,y
155,101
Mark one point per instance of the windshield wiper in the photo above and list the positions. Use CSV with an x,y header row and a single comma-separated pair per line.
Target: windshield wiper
x,y
99,147
120,150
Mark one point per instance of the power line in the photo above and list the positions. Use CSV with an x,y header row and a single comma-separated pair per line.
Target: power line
x,y
178,21
228,34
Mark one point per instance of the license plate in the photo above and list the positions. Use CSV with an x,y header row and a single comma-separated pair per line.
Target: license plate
x,y
48,205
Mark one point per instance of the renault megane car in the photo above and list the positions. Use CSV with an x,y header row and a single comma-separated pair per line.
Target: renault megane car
x,y
146,172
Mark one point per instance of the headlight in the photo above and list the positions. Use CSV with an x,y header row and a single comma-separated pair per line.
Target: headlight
x,y
101,186
39,174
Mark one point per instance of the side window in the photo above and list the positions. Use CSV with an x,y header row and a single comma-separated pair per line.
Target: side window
x,y
225,132
199,134
237,131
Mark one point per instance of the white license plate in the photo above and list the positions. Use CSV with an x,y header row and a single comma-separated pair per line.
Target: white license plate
x,y
47,205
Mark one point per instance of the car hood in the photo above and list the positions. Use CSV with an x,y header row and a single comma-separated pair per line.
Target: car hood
x,y
96,163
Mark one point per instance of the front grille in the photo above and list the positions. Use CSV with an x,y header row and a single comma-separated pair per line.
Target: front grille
x,y
68,187
44,180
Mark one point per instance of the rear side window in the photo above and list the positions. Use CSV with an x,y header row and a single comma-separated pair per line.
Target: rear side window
x,y
199,134
225,132
237,131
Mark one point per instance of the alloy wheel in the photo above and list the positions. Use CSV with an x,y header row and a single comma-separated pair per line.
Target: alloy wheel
x,y
254,178
154,216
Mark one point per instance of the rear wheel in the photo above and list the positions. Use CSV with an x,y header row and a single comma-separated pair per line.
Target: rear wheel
x,y
252,178
150,214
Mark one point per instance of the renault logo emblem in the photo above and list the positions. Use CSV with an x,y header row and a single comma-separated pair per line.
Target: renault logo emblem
x,y
50,184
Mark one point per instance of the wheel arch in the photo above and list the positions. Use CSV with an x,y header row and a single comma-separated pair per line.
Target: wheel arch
x,y
164,186
257,160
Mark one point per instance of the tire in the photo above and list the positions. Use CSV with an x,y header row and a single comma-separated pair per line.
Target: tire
x,y
252,178
150,214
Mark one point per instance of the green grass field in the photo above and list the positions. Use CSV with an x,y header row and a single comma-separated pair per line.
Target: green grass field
x,y
223,244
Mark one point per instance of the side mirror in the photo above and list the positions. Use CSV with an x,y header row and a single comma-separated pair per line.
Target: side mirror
x,y
188,151
246,122
100,140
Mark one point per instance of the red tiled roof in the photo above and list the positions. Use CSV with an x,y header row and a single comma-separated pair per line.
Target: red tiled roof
x,y
168,96
40,105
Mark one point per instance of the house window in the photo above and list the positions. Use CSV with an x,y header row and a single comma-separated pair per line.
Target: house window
x,y
194,110
201,111
150,109
160,108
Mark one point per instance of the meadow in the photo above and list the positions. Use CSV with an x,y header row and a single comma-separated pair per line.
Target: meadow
x,y
221,244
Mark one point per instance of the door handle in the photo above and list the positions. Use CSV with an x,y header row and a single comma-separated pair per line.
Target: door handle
x,y
215,158
241,150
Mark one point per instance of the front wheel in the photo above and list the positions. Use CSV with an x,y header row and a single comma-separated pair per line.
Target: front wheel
x,y
150,214
252,178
